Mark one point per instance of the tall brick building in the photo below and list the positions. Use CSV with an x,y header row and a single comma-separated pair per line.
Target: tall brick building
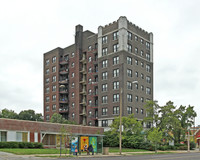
x,y
82,82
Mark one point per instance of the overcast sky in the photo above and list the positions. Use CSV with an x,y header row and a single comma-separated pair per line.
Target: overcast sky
x,y
29,28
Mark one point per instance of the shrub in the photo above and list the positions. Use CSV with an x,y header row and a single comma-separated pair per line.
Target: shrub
x,y
192,145
20,145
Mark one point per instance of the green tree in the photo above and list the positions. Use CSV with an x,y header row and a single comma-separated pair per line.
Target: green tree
x,y
155,136
57,118
30,115
5,113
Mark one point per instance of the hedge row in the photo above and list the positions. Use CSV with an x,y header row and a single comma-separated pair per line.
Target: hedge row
x,y
20,145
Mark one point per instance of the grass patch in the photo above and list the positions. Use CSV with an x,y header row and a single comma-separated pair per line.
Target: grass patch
x,y
34,151
115,150
150,153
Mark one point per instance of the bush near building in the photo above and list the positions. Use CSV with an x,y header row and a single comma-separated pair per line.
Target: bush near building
x,y
20,145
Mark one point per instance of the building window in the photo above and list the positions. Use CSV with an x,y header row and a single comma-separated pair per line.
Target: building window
x,y
129,48
104,111
115,35
104,123
142,64
115,47
89,48
47,90
142,53
73,84
142,99
47,62
104,63
148,45
54,79
136,98
90,102
73,75
72,65
142,41
90,113
73,105
129,97
104,39
129,72
115,97
129,110
104,51
129,85
54,98
53,107
129,60
90,70
148,56
148,68
90,59
89,123
142,75
73,115
105,99
136,50
136,110
148,79
142,87
129,35
104,75
47,117
54,60
47,99
47,71
47,108
136,62
115,60
73,95
136,74
136,38
136,86
116,85
148,91
54,69
142,111
89,91
89,80
116,110
53,88
116,72
104,87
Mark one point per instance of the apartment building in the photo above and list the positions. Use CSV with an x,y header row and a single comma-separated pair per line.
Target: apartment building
x,y
83,82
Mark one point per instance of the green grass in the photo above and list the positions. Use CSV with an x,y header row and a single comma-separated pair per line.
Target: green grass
x,y
150,153
114,150
34,151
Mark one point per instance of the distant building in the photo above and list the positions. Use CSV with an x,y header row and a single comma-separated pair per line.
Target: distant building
x,y
82,82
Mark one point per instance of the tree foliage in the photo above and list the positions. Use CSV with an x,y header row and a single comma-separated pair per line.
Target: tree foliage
x,y
5,113
57,118
172,120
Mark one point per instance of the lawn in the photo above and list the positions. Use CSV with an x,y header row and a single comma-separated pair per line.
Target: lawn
x,y
33,151
57,151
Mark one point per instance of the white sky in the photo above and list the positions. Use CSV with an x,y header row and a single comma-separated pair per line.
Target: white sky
x,y
29,28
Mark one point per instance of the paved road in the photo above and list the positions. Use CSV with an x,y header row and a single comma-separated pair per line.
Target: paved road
x,y
174,156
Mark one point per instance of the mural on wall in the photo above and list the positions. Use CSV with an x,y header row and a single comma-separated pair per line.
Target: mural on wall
x,y
93,141
84,141
74,144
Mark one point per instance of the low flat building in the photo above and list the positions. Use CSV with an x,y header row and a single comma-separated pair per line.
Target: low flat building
x,y
12,130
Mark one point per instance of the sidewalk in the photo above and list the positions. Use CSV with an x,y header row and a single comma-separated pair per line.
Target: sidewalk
x,y
111,154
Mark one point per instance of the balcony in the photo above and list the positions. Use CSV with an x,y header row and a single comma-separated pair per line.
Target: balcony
x,y
63,61
83,102
83,92
64,71
63,91
83,59
83,80
63,81
83,70
63,110
63,100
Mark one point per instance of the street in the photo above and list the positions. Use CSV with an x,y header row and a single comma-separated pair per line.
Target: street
x,y
173,156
